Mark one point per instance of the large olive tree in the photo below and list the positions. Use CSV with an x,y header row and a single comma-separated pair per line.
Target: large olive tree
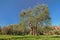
x,y
35,17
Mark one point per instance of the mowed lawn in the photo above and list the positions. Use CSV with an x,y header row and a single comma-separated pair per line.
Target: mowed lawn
x,y
29,37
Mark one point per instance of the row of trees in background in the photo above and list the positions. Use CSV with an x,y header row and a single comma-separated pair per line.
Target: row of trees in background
x,y
13,30
18,30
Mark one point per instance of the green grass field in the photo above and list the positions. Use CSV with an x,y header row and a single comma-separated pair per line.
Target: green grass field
x,y
40,37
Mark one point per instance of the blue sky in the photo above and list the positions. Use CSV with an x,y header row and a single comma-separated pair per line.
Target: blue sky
x,y
10,9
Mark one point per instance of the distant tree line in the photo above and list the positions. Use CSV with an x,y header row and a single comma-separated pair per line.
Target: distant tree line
x,y
12,30
18,30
